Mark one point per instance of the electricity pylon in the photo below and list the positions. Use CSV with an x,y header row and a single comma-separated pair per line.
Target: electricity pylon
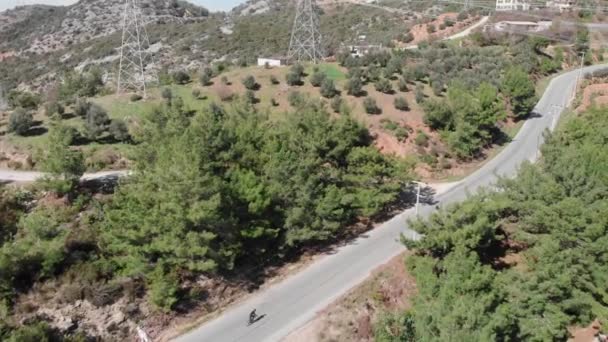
x,y
132,69
3,104
305,41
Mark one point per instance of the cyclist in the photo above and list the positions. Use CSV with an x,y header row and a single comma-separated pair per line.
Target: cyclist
x,y
252,316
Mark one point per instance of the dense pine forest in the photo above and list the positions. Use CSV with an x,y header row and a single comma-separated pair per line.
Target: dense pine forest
x,y
525,262
214,191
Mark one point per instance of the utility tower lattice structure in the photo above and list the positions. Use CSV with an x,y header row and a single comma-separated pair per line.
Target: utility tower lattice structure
x,y
305,44
3,103
132,69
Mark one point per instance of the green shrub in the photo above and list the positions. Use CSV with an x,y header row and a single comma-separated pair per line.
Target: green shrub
x,y
135,97
205,80
167,94
274,80
354,87
296,99
402,85
401,104
24,100
118,130
444,164
336,104
419,94
181,77
298,69
421,139
437,84
163,290
54,108
407,37
196,93
384,86
389,125
328,88
20,121
294,79
317,79
209,72
81,107
250,83
37,332
401,133
370,106
250,97
96,122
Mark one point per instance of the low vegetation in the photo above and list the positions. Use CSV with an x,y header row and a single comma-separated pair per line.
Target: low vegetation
x,y
215,192
526,262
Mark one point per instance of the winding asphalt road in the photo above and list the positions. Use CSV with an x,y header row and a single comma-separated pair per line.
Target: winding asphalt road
x,y
292,302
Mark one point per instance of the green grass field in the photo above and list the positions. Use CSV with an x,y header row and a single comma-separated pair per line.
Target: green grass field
x,y
332,71
123,108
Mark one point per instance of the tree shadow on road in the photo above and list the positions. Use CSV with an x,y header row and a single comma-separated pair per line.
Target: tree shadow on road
x,y
252,274
104,185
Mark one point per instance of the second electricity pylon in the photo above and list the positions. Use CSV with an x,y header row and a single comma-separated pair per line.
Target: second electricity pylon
x,y
3,104
132,69
305,42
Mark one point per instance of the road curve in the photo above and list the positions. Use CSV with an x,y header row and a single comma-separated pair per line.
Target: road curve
x,y
295,300
460,34
469,30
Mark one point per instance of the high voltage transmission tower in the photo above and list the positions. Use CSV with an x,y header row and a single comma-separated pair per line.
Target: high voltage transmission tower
x,y
305,44
132,73
3,103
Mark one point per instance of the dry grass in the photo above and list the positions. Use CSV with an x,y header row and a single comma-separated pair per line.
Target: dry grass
x,y
351,317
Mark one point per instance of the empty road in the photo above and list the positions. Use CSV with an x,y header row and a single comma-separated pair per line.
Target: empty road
x,y
292,302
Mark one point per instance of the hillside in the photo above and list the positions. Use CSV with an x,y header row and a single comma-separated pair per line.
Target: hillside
x,y
38,44
526,262
42,42
239,171
42,29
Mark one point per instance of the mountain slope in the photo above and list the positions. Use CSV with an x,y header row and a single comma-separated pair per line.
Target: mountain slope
x,y
41,29
48,41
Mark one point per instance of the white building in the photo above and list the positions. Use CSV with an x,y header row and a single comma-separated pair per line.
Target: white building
x,y
561,5
522,26
272,62
512,5
363,50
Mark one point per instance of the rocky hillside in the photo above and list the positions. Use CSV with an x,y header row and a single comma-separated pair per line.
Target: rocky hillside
x,y
42,29
35,40
40,43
